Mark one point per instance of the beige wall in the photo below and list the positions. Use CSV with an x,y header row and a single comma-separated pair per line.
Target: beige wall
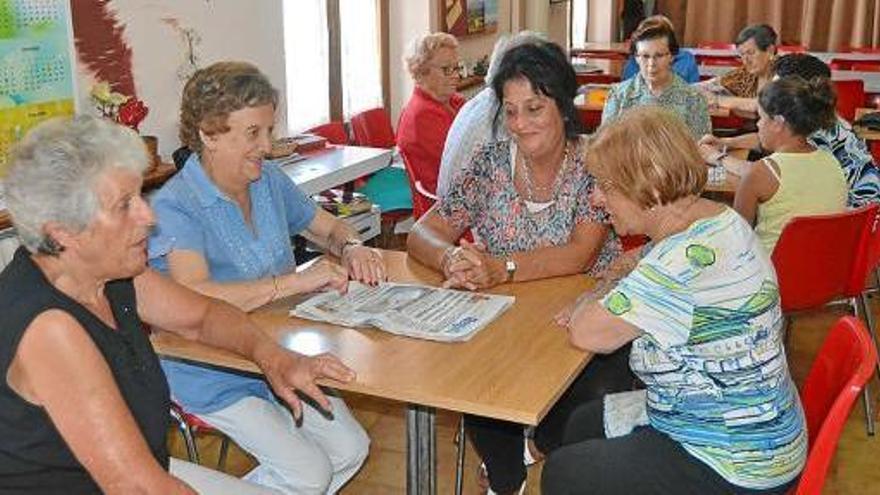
x,y
602,20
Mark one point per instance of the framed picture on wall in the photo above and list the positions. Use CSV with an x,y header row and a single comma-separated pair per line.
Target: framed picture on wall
x,y
466,17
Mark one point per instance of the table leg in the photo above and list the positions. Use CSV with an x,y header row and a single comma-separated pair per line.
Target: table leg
x,y
421,452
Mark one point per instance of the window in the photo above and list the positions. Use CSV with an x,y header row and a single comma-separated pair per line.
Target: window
x,y
311,29
361,63
579,10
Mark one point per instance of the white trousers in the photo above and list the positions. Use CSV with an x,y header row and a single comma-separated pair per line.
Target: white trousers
x,y
317,456
208,481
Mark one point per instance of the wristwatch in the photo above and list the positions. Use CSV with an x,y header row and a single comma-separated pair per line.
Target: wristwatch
x,y
510,266
351,242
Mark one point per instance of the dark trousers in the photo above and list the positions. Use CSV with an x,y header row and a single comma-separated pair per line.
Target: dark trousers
x,y
500,443
643,462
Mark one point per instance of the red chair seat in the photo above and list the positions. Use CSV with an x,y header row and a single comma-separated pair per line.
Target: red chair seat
x,y
333,132
840,371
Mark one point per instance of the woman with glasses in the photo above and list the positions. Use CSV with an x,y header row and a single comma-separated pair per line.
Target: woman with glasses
x,y
432,62
654,45
527,199
738,89
683,62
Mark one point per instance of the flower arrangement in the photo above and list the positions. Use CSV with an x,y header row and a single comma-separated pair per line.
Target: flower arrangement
x,y
126,110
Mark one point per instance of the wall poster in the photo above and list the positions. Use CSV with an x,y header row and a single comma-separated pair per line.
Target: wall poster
x,y
36,67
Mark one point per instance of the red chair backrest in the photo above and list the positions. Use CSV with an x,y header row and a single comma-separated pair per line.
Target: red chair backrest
x,y
861,49
821,258
373,128
717,45
731,61
843,365
791,48
596,79
421,203
850,96
840,64
333,132
866,66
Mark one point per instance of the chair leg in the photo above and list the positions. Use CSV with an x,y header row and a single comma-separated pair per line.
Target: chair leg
x,y
860,303
459,464
188,438
224,450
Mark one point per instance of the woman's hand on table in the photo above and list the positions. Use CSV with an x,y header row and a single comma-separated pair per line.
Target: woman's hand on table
x,y
472,267
364,264
289,372
325,275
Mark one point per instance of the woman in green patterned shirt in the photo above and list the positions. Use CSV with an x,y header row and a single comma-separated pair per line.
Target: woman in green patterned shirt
x,y
720,413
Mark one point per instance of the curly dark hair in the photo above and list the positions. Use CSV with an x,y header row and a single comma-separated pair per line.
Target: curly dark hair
x,y
550,73
214,92
800,64
805,105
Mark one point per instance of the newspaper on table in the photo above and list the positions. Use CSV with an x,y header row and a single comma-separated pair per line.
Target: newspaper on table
x,y
407,309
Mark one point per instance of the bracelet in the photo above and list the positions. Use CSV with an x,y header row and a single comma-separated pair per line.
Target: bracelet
x,y
449,254
350,242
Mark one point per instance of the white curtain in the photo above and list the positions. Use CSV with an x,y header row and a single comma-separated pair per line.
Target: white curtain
x,y
361,62
307,60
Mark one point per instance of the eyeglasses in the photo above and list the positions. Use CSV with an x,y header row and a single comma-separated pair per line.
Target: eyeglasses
x,y
448,70
645,57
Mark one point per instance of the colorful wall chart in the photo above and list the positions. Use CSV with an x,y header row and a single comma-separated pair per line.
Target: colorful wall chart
x,y
36,67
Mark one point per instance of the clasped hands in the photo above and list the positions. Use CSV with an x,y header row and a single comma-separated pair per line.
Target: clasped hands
x,y
470,266
364,264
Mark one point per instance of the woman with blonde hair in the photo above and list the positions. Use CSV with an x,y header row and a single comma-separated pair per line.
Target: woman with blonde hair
x,y
720,412
432,62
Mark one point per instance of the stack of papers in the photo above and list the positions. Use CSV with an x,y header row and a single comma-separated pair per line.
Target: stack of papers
x,y
410,310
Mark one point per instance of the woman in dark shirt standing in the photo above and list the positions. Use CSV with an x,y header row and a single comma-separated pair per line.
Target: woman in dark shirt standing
x,y
84,404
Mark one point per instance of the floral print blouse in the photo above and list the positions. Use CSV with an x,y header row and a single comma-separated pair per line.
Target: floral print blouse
x,y
482,197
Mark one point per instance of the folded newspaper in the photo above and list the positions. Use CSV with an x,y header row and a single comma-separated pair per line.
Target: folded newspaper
x,y
406,309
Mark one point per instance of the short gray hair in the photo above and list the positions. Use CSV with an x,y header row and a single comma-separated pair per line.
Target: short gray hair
x,y
507,42
422,48
53,173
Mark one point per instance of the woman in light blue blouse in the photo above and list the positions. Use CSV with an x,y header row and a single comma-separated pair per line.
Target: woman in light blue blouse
x,y
653,47
224,224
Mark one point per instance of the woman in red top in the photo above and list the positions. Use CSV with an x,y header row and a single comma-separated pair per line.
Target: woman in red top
x,y
432,61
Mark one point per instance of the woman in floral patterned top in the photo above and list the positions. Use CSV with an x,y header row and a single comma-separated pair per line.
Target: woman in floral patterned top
x,y
527,200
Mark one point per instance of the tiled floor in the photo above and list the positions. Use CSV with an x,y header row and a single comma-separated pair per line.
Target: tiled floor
x,y
854,471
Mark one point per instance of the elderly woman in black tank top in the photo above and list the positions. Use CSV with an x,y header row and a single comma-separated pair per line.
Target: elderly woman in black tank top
x,y
84,403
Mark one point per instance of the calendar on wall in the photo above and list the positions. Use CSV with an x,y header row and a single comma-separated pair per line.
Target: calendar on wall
x,y
36,67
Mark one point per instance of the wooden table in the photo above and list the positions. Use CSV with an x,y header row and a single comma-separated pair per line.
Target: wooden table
x,y
515,369
334,166
584,103
724,191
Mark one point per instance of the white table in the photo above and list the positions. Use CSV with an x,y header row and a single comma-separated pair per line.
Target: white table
x,y
334,166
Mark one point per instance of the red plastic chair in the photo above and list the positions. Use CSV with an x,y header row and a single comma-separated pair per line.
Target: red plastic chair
x,y
189,425
839,373
717,45
791,48
333,132
823,258
731,61
841,63
422,199
861,49
866,66
373,128
850,96
596,79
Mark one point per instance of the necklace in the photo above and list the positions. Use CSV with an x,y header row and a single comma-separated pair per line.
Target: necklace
x,y
533,189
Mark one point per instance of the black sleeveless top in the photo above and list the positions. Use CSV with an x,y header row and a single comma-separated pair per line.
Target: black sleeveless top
x,y
33,456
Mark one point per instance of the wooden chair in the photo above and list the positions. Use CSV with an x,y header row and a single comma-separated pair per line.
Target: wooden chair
x,y
834,267
840,371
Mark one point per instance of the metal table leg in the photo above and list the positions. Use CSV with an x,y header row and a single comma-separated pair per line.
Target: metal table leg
x,y
421,452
